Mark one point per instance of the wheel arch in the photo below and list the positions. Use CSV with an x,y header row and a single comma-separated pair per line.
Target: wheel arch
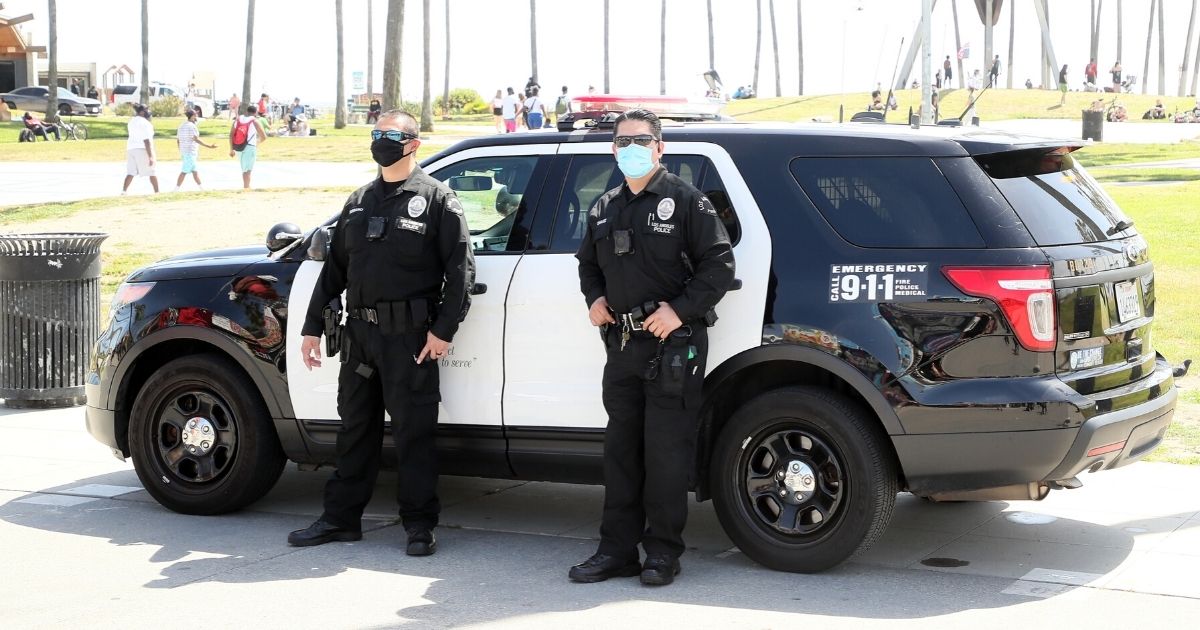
x,y
770,367
167,345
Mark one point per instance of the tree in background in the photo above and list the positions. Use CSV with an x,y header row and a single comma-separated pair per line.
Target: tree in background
x,y
145,96
757,43
606,90
1187,48
712,51
1012,27
1149,36
426,95
446,89
662,50
393,45
52,62
339,110
247,98
958,45
533,36
775,48
1162,50
800,45
370,50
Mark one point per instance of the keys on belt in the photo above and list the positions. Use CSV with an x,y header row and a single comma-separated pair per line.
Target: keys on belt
x,y
632,321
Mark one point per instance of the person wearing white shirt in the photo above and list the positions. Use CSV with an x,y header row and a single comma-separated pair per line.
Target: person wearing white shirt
x,y
509,111
139,149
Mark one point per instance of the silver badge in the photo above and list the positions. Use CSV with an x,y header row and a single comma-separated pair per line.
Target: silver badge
x,y
454,205
416,206
666,209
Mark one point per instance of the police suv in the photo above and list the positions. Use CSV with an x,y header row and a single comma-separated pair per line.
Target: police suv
x,y
963,315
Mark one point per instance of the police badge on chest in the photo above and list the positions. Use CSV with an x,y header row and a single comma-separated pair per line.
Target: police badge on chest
x,y
664,212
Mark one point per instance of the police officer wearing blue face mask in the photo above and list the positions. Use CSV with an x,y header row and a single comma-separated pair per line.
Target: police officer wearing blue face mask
x,y
654,262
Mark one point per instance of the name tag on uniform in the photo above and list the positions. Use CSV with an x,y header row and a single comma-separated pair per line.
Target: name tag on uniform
x,y
410,225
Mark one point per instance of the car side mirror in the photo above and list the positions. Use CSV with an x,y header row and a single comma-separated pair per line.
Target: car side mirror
x,y
470,183
318,248
281,235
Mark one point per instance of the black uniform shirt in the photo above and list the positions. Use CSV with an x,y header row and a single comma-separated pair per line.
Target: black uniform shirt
x,y
676,236
425,253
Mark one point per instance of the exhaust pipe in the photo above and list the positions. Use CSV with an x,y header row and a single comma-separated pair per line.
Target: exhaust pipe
x,y
1034,491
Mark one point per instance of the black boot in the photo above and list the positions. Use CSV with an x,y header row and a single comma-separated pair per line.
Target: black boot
x,y
600,567
321,532
660,570
421,541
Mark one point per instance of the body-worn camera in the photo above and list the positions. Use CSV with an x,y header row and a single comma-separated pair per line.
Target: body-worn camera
x,y
376,226
622,242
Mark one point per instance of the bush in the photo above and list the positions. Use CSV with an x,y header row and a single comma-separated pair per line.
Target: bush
x,y
414,109
166,106
123,109
461,97
477,107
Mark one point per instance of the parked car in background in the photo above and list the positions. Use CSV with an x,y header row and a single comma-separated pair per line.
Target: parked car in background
x,y
132,93
34,97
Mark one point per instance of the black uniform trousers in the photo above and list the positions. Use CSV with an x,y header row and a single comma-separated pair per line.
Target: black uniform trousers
x,y
410,394
649,448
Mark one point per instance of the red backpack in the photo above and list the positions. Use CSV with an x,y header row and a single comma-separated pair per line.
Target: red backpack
x,y
241,134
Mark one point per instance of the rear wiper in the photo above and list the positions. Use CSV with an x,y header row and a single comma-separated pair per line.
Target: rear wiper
x,y
1121,226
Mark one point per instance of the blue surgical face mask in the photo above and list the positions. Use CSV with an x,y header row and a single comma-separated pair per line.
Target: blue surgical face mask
x,y
635,161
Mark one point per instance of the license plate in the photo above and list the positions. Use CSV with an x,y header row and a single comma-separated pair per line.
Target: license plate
x,y
1129,303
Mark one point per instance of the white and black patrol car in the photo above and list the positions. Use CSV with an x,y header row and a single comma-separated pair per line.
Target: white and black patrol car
x,y
958,314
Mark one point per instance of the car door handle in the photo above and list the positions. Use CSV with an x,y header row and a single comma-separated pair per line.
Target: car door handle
x,y
737,284
479,289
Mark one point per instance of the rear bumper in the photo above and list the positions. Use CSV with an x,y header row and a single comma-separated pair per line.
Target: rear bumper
x,y
968,461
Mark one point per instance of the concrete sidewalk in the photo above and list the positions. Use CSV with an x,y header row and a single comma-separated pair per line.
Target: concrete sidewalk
x,y
83,544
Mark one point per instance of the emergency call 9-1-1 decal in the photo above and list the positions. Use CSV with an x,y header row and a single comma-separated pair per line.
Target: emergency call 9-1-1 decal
x,y
888,282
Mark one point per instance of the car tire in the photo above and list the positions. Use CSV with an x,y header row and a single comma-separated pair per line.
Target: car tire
x,y
64,110
11,106
241,462
803,478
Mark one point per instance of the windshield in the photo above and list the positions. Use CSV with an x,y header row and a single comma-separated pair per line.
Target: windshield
x,y
1055,197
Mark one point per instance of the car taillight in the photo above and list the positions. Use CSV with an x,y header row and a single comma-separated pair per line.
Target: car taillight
x,y
1025,294
130,292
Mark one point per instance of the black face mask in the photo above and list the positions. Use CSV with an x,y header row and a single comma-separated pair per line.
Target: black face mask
x,y
387,152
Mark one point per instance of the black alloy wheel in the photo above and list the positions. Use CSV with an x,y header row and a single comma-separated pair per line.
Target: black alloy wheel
x,y
794,481
195,433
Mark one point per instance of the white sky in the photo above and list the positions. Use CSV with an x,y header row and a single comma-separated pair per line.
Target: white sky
x,y
295,42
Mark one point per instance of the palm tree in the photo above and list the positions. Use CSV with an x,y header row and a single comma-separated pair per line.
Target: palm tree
x,y
1120,30
446,90
606,91
800,46
1149,34
249,52
533,36
339,110
662,50
1012,26
775,48
1196,69
426,96
1187,48
370,51
145,96
757,43
958,45
1162,50
1094,47
52,63
393,45
712,55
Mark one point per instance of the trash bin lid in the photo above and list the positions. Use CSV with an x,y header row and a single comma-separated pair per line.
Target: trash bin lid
x,y
51,243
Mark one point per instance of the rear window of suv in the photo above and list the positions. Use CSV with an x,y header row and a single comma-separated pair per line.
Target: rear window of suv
x,y
1057,200
125,89
887,202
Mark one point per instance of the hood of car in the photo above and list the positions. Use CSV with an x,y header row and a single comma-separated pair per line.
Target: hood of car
x,y
213,263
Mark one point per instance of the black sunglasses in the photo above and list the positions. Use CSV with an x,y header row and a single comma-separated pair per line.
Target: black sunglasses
x,y
393,135
643,140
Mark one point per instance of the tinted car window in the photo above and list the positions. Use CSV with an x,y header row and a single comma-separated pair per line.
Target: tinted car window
x,y
887,202
1056,199
125,89
592,175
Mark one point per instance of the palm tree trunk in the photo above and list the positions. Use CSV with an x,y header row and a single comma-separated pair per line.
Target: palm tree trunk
x,y
145,97
533,38
1012,26
775,48
712,51
446,88
1097,10
1162,50
1187,48
426,93
606,91
662,50
370,51
246,98
1196,69
1149,35
52,63
393,46
339,110
958,46
800,46
757,43
1120,30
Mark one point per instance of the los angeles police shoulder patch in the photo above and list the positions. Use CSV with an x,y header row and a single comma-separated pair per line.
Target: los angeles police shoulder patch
x,y
454,205
706,206
416,206
666,209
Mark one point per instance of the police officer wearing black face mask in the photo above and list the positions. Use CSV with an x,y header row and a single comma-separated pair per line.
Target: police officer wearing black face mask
x,y
401,252
653,263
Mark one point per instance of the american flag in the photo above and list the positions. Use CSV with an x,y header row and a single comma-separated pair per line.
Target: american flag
x,y
965,51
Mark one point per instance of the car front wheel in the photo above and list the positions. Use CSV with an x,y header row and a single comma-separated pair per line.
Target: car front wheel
x,y
202,440
64,110
803,479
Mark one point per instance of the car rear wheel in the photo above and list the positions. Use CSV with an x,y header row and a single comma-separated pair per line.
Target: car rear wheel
x,y
803,479
201,438
64,110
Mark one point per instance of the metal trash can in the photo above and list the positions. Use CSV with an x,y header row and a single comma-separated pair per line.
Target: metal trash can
x,y
1093,125
49,316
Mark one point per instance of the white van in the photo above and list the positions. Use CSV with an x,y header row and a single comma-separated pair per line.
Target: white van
x,y
131,93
